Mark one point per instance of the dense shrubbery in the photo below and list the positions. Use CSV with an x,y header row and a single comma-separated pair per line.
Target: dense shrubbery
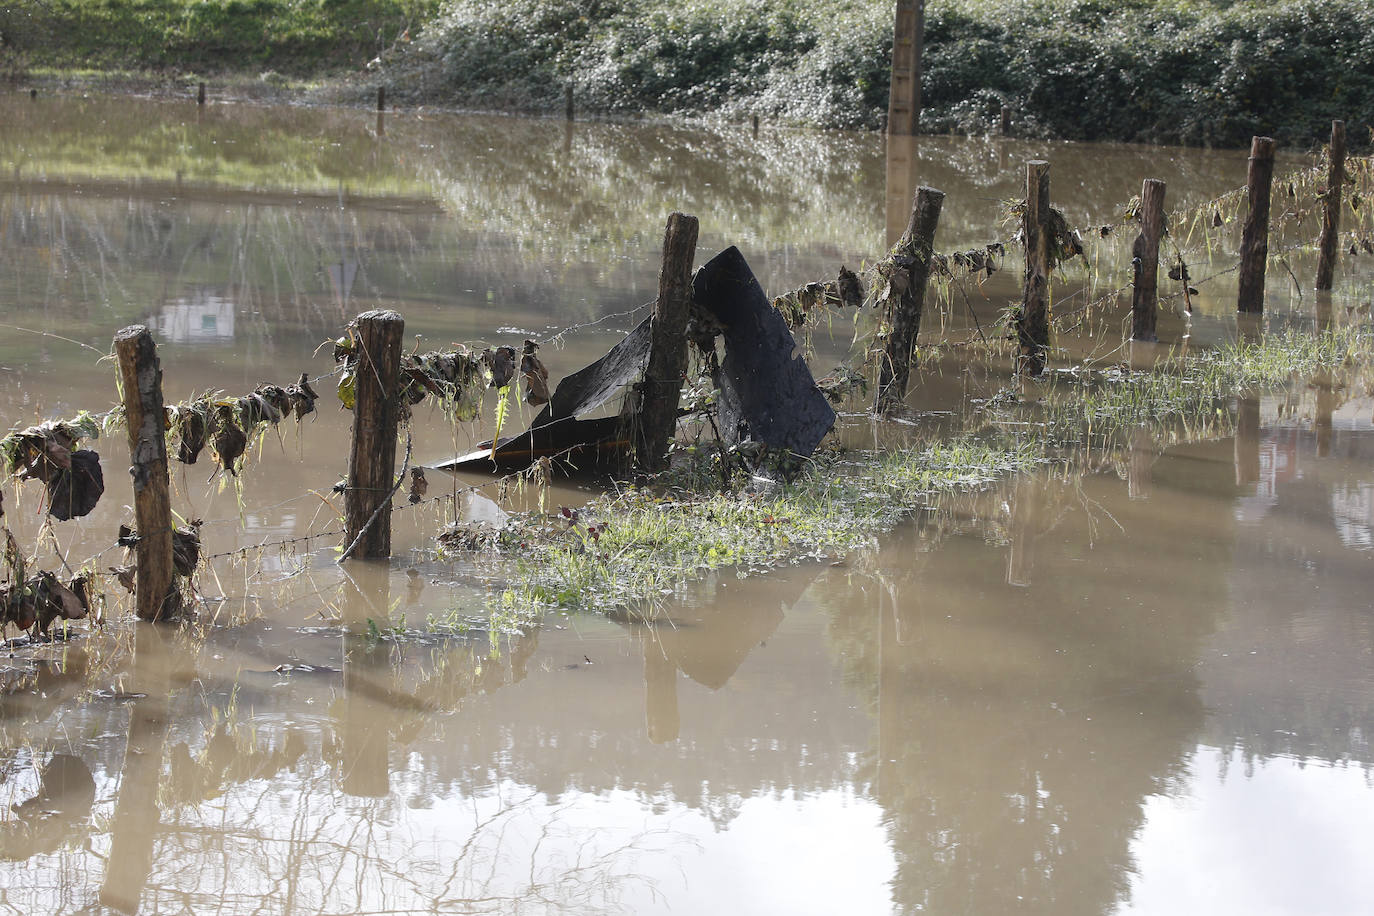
x,y
1205,71
1193,71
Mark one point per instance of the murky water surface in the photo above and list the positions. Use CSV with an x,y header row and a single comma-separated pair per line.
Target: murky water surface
x,y
1139,683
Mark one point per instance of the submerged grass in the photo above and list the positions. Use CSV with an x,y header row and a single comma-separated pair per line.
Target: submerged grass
x,y
1100,409
631,551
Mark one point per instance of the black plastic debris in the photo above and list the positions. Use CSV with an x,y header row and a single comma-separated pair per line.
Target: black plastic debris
x,y
559,430
74,491
767,393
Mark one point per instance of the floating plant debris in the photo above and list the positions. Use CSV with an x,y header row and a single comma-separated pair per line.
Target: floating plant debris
x,y
48,453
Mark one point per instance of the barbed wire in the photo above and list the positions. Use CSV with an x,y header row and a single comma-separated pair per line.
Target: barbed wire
x,y
1291,216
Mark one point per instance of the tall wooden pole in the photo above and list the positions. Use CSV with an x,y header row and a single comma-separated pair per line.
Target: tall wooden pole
x,y
1145,259
918,240
668,345
141,375
904,98
1254,245
1331,207
1033,324
376,413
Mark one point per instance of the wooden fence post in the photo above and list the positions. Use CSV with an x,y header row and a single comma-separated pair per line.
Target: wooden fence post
x,y
668,345
894,371
568,101
904,93
1331,207
1145,259
1033,324
1254,245
376,412
200,95
381,98
1006,120
141,375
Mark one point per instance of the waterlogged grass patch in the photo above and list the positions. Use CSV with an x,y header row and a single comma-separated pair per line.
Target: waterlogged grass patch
x,y
633,551
629,552
1100,408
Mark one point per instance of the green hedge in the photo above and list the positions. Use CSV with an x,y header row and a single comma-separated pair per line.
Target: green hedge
x,y
1190,71
1201,72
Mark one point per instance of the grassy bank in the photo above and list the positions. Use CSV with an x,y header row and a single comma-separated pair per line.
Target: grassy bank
x,y
299,38
1184,71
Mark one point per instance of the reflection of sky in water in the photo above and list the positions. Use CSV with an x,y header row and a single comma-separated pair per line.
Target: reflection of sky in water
x,y
1282,836
291,845
1353,510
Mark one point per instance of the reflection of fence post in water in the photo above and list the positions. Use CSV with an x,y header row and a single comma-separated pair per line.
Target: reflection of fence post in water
x,y
1145,260
1254,245
901,184
1324,382
1322,310
1331,207
904,94
141,375
1021,554
372,459
894,369
364,714
136,815
1140,470
1326,401
1033,323
660,691
1247,440
667,365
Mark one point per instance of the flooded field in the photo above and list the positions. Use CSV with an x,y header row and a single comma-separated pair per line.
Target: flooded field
x,y
1135,678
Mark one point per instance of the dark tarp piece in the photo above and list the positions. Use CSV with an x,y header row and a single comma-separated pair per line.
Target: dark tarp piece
x,y
593,385
767,393
74,491
558,429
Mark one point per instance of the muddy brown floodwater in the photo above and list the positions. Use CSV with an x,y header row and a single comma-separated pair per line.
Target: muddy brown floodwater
x,y
1135,685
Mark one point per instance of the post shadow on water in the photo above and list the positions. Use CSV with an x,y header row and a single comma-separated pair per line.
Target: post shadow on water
x,y
379,709
60,807
159,665
368,708
708,640
1020,726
